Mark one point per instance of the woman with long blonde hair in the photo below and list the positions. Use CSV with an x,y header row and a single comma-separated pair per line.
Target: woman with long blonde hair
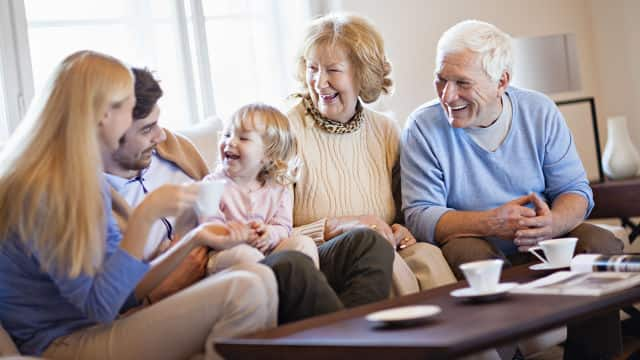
x,y
66,271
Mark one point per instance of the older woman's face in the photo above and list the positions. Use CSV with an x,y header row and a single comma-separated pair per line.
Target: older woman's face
x,y
331,82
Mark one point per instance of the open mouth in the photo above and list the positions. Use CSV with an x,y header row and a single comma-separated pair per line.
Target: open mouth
x,y
328,98
458,108
231,156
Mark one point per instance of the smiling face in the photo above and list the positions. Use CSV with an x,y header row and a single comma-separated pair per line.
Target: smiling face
x,y
242,153
469,97
138,143
331,82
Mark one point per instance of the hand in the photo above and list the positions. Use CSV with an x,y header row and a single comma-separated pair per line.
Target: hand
x,y
220,237
504,221
168,200
535,229
262,240
402,236
185,222
339,225
191,270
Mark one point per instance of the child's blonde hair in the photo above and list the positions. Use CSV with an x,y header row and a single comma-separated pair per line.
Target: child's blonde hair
x,y
280,143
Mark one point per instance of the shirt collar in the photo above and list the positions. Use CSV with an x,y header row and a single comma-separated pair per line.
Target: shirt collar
x,y
119,183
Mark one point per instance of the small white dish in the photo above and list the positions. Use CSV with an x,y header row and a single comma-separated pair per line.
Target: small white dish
x,y
545,266
469,293
403,315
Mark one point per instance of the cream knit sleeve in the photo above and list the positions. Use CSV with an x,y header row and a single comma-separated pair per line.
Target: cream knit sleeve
x,y
314,230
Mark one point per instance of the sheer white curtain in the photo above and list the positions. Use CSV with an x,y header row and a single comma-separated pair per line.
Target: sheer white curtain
x,y
211,56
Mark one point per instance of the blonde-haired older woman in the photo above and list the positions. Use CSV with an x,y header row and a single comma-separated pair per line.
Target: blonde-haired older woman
x,y
65,269
350,152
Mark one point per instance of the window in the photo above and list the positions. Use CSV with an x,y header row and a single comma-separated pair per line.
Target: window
x,y
211,56
4,123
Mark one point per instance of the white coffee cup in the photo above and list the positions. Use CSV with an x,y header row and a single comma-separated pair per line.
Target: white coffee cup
x,y
557,252
209,196
483,275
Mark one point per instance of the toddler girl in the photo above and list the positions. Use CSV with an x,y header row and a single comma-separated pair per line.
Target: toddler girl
x,y
258,162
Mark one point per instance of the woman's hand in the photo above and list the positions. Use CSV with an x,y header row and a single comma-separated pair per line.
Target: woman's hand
x,y
220,237
262,240
402,236
339,225
168,200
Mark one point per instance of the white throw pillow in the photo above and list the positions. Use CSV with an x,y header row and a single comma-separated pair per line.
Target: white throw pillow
x,y
205,137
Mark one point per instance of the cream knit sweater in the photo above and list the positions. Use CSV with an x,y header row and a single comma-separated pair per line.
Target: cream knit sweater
x,y
343,174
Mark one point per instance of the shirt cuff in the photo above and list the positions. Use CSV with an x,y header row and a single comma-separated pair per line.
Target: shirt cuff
x,y
314,230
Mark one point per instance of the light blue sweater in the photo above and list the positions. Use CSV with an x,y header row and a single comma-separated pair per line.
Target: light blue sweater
x,y
443,169
36,306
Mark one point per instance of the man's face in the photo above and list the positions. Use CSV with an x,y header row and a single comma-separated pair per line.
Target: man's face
x,y
137,144
469,97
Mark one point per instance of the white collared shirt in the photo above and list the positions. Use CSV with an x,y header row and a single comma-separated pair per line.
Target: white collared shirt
x,y
159,172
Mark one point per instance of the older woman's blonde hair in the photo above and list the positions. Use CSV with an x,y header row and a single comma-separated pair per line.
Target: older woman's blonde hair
x,y
278,138
50,186
365,49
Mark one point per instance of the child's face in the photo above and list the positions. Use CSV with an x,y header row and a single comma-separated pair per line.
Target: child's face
x,y
241,153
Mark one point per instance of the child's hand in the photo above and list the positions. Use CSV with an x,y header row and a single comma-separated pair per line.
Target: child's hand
x,y
262,232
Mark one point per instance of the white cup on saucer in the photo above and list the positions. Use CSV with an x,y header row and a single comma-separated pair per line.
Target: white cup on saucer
x,y
209,195
557,252
483,276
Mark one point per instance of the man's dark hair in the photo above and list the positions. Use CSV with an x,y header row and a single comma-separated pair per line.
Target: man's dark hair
x,y
148,92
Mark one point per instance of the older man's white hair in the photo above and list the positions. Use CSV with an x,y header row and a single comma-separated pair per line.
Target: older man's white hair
x,y
492,44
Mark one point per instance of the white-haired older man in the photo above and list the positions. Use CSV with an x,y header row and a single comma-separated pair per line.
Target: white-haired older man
x,y
489,170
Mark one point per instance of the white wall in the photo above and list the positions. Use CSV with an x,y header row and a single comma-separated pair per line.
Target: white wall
x,y
607,35
616,34
411,29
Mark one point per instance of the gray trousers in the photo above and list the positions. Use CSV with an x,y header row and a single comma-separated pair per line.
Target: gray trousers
x,y
355,269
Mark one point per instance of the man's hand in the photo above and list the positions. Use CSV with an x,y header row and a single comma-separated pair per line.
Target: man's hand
x,y
535,229
191,270
220,237
505,221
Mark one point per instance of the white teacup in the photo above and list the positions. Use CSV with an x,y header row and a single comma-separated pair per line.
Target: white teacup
x,y
557,252
483,275
209,197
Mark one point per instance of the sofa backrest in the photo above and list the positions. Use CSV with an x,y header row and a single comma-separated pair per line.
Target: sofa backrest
x,y
205,137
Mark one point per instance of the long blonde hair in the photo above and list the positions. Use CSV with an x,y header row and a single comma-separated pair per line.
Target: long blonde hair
x,y
50,188
280,143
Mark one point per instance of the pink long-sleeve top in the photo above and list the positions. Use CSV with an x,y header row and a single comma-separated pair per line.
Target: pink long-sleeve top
x,y
271,204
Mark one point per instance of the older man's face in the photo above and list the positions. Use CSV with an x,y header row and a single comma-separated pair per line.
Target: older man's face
x,y
469,97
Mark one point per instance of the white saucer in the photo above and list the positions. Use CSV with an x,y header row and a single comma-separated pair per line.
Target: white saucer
x,y
545,266
403,315
469,293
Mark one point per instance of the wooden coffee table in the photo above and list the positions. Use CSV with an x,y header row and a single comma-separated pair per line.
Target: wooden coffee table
x,y
461,328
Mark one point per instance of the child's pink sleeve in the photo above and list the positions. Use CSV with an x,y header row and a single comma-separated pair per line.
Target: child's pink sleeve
x,y
281,223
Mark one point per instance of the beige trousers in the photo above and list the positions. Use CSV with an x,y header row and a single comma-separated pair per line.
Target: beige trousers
x,y
420,267
243,253
240,300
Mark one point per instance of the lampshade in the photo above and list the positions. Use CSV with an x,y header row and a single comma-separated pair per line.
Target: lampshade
x,y
548,64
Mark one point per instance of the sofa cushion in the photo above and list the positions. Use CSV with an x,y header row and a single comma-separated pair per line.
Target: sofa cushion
x,y
204,136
